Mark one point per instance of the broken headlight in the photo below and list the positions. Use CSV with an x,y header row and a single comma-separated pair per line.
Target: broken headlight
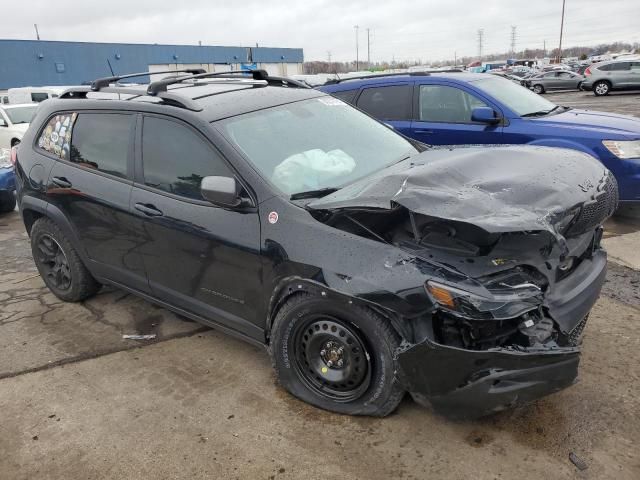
x,y
623,148
503,302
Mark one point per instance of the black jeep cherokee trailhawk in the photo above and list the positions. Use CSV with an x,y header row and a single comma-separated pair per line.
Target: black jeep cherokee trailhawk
x,y
368,265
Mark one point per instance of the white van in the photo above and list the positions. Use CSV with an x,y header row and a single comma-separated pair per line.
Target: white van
x,y
34,94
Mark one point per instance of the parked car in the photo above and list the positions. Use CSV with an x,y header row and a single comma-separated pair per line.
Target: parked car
x,y
556,80
604,77
367,264
14,121
7,182
33,94
455,109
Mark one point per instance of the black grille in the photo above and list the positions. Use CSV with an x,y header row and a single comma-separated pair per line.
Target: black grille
x,y
595,212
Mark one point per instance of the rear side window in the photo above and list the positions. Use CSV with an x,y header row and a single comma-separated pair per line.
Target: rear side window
x,y
387,103
39,97
345,95
176,159
605,68
100,141
55,138
620,67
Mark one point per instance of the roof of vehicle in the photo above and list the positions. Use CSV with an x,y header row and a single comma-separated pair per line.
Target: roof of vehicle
x,y
9,106
350,84
216,99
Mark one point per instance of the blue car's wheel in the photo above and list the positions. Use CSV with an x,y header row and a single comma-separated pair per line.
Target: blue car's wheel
x,y
7,202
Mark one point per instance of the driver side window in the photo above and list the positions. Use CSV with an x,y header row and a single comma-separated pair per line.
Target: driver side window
x,y
441,103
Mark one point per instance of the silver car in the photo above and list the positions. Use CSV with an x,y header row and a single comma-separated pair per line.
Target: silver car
x,y
554,80
614,75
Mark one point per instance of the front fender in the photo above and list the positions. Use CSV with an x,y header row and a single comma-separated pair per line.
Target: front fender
x,y
560,143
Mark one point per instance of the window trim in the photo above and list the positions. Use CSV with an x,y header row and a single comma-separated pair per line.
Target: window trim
x,y
410,85
416,105
138,181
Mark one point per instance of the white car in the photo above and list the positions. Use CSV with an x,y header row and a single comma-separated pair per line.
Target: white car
x,y
14,121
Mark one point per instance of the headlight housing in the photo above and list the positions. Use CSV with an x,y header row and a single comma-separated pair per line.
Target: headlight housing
x,y
623,148
509,301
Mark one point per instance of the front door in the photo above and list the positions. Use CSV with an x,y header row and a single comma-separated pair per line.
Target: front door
x,y
199,257
443,117
91,184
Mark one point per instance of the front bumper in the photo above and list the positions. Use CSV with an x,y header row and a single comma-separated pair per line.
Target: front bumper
x,y
471,383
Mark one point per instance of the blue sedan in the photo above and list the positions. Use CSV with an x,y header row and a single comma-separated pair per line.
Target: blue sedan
x,y
467,108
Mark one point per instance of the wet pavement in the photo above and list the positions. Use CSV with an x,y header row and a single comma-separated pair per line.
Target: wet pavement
x,y
79,401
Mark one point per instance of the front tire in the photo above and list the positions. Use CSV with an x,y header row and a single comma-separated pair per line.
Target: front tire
x,y
336,356
59,264
539,89
601,88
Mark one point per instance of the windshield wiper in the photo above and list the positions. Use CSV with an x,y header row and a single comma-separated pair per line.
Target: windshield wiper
x,y
322,192
542,112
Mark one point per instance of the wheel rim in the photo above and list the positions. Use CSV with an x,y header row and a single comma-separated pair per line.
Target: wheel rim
x,y
602,88
537,89
331,358
53,262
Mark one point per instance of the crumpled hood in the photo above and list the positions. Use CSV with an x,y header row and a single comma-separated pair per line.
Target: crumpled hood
x,y
499,189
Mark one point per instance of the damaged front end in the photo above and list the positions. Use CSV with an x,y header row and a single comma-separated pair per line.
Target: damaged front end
x,y
508,241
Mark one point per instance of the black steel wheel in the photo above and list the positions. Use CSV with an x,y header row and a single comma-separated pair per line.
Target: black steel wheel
x,y
59,264
331,357
53,262
336,355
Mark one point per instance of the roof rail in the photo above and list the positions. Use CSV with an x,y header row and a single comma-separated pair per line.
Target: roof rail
x,y
161,86
100,83
421,73
169,97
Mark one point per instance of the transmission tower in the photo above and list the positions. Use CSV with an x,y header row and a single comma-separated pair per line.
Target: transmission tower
x,y
513,40
480,42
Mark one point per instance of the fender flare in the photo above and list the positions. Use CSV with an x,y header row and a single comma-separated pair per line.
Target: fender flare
x,y
45,209
559,143
292,285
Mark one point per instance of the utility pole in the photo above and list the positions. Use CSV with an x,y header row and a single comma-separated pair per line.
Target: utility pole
x,y
35,25
513,40
544,49
561,28
357,58
455,58
329,56
480,40
368,50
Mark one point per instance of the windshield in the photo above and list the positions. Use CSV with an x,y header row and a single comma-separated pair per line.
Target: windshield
x,y
519,99
316,144
21,114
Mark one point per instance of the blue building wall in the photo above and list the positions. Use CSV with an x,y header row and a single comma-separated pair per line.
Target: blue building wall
x,y
37,62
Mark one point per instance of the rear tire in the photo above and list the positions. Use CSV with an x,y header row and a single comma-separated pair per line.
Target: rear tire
x,y
336,356
601,88
7,202
539,89
59,264
15,142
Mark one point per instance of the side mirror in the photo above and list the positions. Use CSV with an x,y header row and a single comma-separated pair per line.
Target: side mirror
x,y
221,191
485,115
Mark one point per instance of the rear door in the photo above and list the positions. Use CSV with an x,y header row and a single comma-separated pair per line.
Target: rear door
x,y
391,104
199,257
91,184
635,74
621,74
443,117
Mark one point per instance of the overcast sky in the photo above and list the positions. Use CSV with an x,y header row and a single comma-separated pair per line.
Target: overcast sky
x,y
404,29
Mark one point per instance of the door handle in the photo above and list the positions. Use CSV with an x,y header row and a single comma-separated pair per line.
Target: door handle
x,y
423,131
61,182
148,209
